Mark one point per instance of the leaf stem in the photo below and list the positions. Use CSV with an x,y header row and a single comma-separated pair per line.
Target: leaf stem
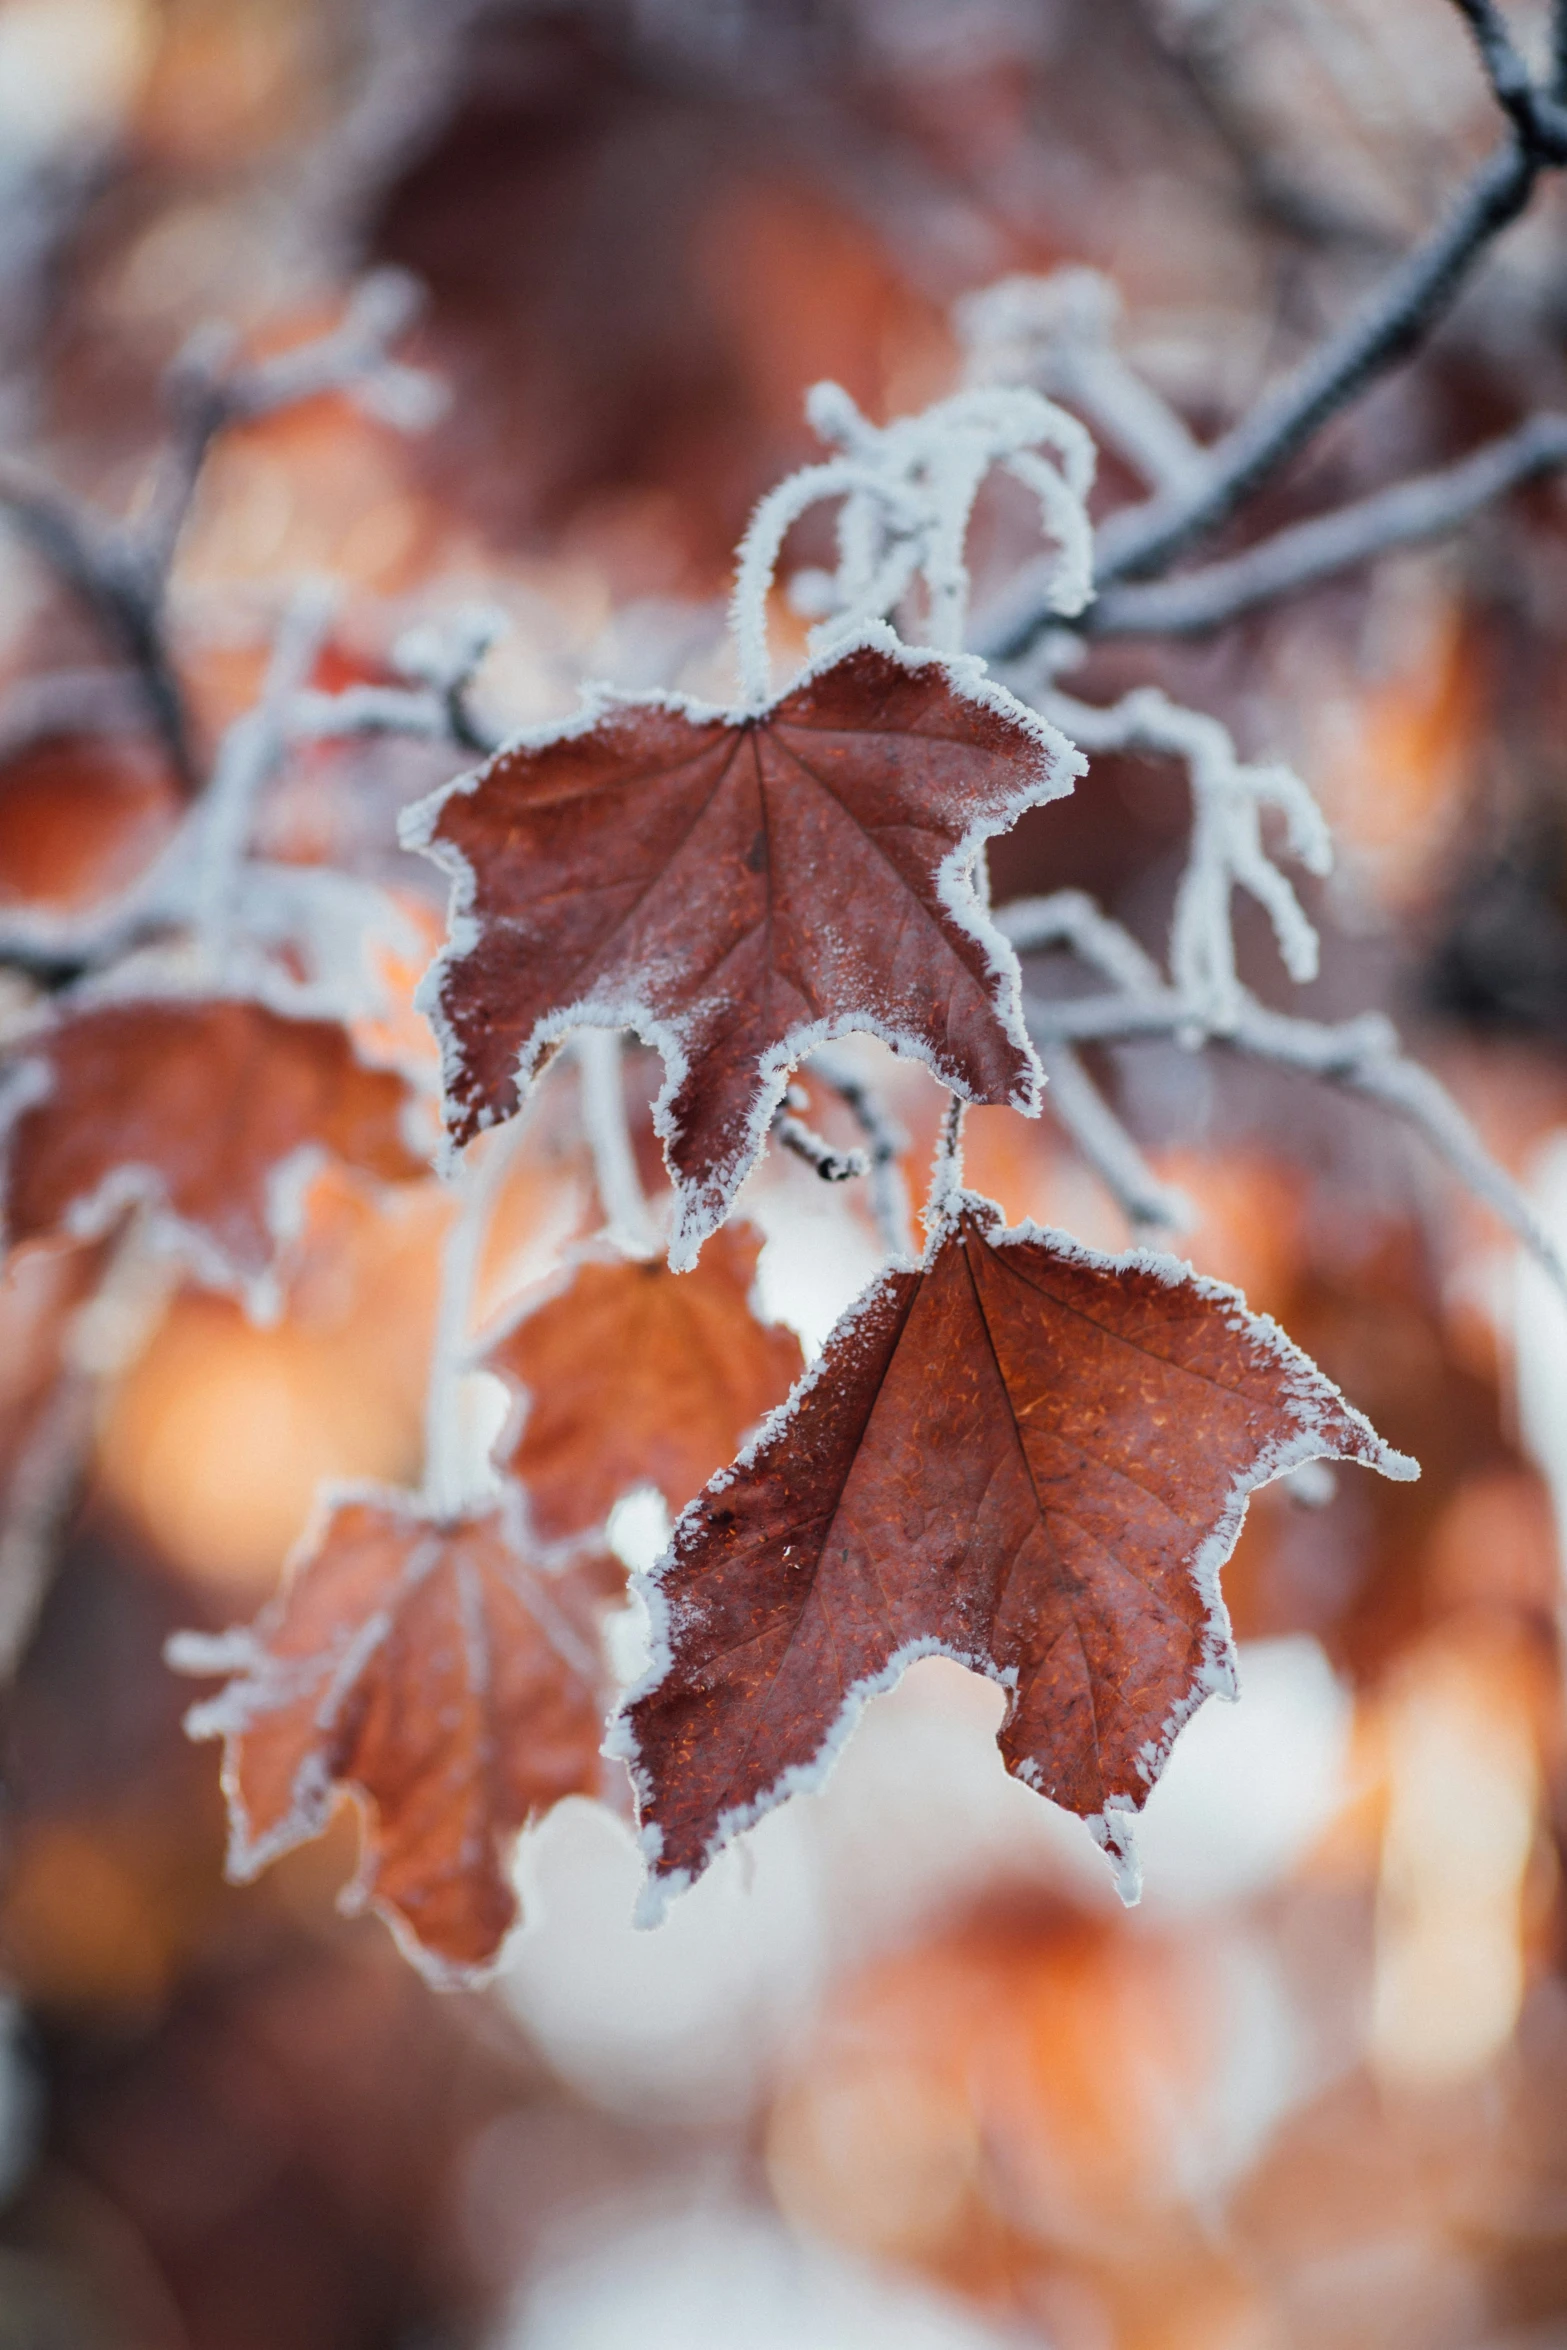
x,y
449,1480
603,1102
946,1174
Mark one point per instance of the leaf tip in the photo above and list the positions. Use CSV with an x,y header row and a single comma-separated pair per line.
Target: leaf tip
x,y
1114,1830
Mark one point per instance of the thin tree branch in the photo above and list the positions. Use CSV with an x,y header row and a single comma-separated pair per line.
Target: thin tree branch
x,y
603,1101
1386,331
250,755
105,572
45,1483
455,1472
946,1172
833,1166
206,394
1146,538
1411,512
1070,918
885,1141
1363,1056
1087,1119
120,570
1537,116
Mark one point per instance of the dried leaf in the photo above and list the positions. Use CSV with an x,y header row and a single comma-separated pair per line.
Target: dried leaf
x,y
81,818
423,1666
636,1375
214,1112
1024,1455
737,888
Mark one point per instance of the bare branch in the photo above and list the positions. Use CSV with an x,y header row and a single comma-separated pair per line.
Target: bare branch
x,y
1056,334
1363,1056
1087,1119
1227,850
1070,918
1537,116
602,1095
207,394
1146,538
446,660
1411,512
120,571
831,1165
886,1143
368,710
106,1334
247,760
104,570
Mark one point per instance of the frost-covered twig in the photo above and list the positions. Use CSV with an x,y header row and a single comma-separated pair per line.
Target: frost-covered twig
x,y
244,912
45,1482
454,1467
907,490
1391,326
1229,795
1363,1056
436,708
119,569
946,1173
1070,918
1412,511
885,1144
1056,334
446,660
207,393
1082,1112
249,757
108,572
602,1094
1202,1000
833,1166
1537,115
1145,539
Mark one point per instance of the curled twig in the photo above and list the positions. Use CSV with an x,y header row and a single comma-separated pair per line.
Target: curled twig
x,y
833,1166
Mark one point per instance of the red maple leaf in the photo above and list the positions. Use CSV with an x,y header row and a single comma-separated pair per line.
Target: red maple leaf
x,y
1021,1454
211,1112
424,1666
737,888
636,1375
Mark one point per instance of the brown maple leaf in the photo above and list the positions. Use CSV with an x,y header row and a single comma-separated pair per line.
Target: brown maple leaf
x,y
1021,1454
425,1667
211,1112
636,1375
738,888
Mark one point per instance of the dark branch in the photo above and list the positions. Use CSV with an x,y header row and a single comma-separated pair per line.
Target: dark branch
x,y
1412,511
120,571
105,570
1146,538
1384,332
833,1166
1537,115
